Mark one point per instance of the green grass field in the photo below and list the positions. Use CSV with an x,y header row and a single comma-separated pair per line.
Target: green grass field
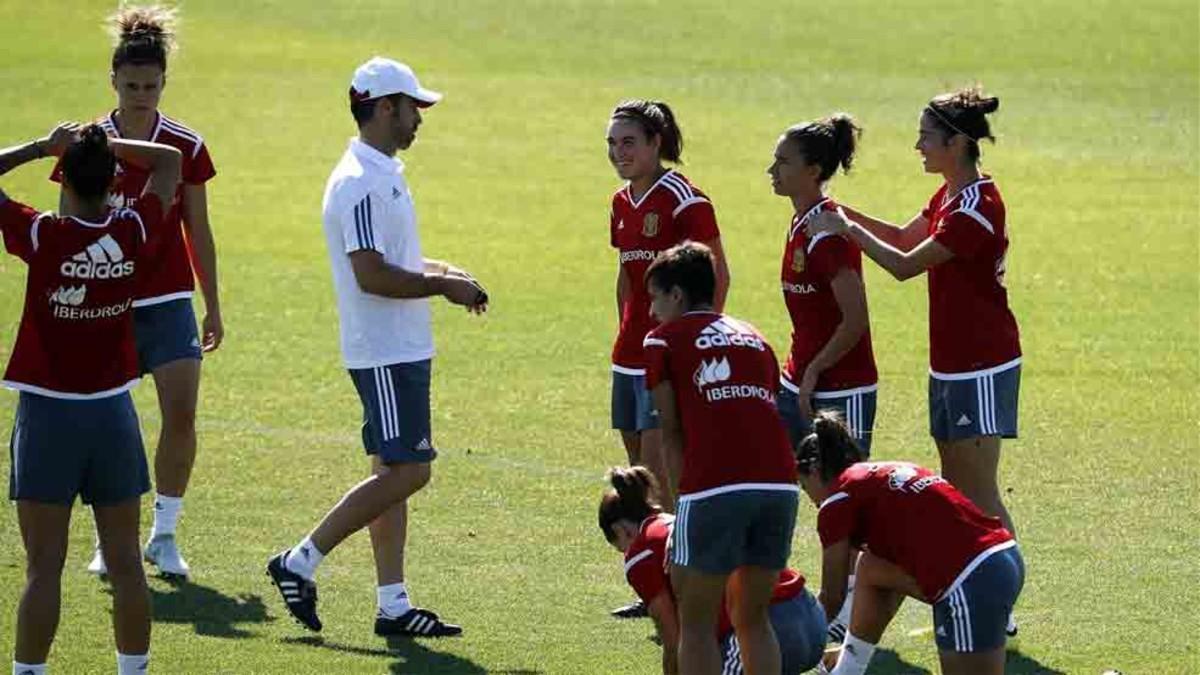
x,y
1097,159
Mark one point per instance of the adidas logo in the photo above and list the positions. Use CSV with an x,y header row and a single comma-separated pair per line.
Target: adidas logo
x,y
66,295
711,372
722,333
396,193
102,259
621,224
423,445
941,631
963,421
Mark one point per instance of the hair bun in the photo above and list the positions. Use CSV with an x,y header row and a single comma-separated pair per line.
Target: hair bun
x,y
151,22
989,105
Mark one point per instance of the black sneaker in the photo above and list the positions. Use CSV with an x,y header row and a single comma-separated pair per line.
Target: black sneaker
x,y
414,623
299,594
634,610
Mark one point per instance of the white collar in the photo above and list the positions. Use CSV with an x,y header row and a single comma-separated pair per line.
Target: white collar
x,y
370,155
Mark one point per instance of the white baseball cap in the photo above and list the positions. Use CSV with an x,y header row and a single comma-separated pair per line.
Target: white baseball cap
x,y
384,77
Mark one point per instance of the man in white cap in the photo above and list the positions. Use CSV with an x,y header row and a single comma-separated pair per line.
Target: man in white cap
x,y
383,283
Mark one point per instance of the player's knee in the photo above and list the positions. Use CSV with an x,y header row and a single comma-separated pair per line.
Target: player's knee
x,y
44,566
125,567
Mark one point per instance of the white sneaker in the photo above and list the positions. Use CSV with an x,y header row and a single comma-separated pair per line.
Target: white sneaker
x,y
163,553
97,566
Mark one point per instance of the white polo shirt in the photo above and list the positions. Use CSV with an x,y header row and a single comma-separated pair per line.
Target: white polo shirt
x,y
368,206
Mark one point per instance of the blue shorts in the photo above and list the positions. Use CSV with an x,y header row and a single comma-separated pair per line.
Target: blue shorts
x,y
972,616
92,448
974,404
395,401
165,332
856,406
799,626
632,405
716,533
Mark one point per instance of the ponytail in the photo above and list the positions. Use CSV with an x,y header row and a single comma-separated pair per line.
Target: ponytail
x,y
829,142
829,449
632,497
965,112
88,164
143,35
656,119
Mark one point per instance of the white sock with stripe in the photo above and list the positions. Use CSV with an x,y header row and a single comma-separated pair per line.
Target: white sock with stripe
x,y
133,664
393,599
28,668
856,655
304,558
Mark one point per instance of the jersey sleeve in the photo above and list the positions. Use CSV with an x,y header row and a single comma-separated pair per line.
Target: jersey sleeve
x,y
198,167
645,574
827,255
931,206
17,221
697,219
835,519
359,230
657,352
963,232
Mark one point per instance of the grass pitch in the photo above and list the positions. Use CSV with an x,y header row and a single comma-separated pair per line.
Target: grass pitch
x,y
1096,160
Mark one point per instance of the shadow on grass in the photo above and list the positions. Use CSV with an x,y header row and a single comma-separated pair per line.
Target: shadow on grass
x,y
209,611
414,657
1020,664
888,662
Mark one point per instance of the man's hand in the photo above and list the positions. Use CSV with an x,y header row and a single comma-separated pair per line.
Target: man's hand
x,y
55,143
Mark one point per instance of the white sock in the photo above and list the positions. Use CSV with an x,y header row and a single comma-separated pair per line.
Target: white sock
x,y
855,656
304,558
166,514
28,668
133,664
843,615
393,599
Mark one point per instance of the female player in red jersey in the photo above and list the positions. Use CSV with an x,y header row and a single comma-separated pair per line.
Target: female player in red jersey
x,y
961,240
634,523
76,431
714,379
831,364
655,209
169,346
921,538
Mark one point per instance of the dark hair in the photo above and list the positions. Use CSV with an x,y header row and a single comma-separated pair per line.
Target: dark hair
x,y
144,35
828,142
829,449
656,119
632,497
965,112
364,108
88,165
688,265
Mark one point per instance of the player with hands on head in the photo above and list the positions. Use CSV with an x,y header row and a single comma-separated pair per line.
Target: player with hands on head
x,y
75,359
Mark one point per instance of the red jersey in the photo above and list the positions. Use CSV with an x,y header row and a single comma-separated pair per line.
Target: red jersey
x,y
913,518
809,266
76,335
168,275
724,375
671,211
646,569
970,325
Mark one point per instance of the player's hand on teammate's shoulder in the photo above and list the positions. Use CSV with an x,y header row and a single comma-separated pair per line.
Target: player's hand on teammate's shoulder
x,y
832,222
55,143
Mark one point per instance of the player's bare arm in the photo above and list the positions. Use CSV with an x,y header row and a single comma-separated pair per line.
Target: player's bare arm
x,y
851,299
378,277
666,622
50,145
904,237
835,572
164,162
900,264
203,251
672,431
722,269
